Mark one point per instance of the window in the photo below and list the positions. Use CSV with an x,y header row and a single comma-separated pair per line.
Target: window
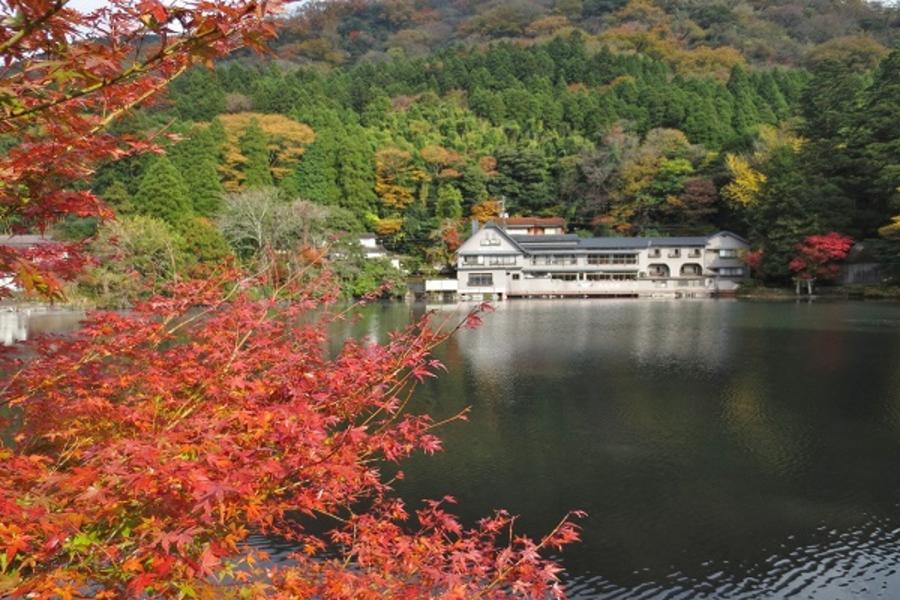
x,y
536,275
564,276
675,253
727,253
473,260
555,259
655,253
515,276
611,276
612,259
658,271
732,272
490,239
501,260
481,280
694,253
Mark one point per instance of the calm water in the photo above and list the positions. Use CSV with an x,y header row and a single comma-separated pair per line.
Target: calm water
x,y
722,449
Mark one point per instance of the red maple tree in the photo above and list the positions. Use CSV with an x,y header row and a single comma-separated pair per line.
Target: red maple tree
x,y
150,445
820,256
140,453
67,75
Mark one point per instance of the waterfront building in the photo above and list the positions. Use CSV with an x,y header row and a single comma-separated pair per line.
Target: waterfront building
x,y
496,264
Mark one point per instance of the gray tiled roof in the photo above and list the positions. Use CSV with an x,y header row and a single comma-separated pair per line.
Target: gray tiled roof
x,y
545,239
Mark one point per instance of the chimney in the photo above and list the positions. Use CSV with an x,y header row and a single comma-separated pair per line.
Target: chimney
x,y
474,226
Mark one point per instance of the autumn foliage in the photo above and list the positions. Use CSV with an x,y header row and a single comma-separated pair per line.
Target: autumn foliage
x,y
139,454
820,256
67,75
151,444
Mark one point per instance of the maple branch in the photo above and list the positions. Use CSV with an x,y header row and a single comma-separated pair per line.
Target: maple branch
x,y
31,26
139,68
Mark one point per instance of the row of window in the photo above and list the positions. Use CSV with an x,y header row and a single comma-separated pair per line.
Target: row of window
x,y
675,253
492,261
487,279
592,259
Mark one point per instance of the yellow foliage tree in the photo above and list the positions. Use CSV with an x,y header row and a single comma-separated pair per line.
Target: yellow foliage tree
x,y
746,176
286,140
396,178
388,227
891,231
485,211
746,182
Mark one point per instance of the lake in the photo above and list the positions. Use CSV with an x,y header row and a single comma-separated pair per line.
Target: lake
x,y
722,449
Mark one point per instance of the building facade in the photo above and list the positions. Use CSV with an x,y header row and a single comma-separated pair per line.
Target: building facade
x,y
493,263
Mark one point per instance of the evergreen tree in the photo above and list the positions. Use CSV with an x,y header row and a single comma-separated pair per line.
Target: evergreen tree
x,y
203,243
473,185
196,159
879,137
317,174
118,197
162,193
746,114
255,170
523,179
449,203
783,215
355,172
198,95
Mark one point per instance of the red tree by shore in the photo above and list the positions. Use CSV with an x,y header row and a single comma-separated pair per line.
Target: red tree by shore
x,y
820,256
140,453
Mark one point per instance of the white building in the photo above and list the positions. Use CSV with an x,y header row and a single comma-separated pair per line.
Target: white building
x,y
492,263
372,249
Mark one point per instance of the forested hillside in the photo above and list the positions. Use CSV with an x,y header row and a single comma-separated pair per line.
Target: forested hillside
x,y
777,120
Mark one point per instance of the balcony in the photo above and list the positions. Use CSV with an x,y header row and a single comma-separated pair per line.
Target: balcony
x,y
658,270
691,270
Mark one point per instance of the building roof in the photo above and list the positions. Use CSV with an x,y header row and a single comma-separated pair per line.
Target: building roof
x,y
572,243
532,222
545,239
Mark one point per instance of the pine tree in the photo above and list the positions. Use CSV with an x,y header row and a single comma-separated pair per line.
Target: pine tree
x,y
746,114
196,159
162,193
317,174
198,95
783,215
879,141
356,173
255,170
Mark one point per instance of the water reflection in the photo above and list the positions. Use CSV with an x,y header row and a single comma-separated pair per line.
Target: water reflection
x,y
16,326
722,449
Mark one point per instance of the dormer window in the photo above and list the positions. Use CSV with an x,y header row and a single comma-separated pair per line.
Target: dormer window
x,y
490,238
